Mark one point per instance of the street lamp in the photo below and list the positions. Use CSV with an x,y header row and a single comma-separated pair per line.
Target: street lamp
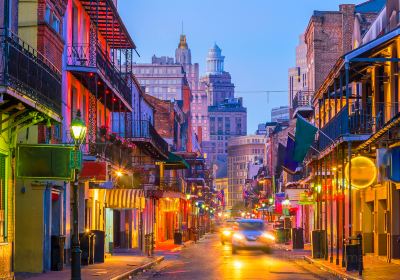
x,y
78,133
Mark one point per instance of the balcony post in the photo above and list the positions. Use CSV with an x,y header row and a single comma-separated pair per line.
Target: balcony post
x,y
161,164
337,203
350,189
343,207
326,202
347,70
105,104
335,90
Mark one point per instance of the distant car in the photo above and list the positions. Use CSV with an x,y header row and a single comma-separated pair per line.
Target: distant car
x,y
227,231
252,235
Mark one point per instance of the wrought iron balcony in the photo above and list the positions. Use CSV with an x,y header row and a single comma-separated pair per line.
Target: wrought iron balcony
x,y
28,72
116,152
144,134
302,102
361,121
92,58
172,184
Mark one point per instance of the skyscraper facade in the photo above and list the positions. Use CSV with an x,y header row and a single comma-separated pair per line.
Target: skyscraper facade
x,y
198,106
226,115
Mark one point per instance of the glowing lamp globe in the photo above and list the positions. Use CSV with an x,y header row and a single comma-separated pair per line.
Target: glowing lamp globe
x,y
78,128
363,172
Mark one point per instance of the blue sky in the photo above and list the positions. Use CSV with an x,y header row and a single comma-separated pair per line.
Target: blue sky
x,y
257,38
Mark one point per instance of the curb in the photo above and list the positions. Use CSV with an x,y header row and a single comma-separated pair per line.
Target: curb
x,y
183,245
340,274
138,269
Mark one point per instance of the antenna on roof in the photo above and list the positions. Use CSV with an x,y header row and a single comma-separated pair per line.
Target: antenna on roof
x,y
182,27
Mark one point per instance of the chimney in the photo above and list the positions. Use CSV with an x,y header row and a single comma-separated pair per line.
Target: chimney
x,y
348,15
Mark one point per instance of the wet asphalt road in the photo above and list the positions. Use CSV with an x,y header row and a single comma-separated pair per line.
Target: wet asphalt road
x,y
208,259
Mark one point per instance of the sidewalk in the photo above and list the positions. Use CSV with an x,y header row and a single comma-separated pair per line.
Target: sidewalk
x,y
115,267
170,246
374,268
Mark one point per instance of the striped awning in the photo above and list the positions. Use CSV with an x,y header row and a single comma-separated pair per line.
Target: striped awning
x,y
125,198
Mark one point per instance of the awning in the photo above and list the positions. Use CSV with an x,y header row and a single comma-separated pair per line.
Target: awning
x,y
125,199
176,162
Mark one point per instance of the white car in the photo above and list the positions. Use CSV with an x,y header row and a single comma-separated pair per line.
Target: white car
x,y
252,235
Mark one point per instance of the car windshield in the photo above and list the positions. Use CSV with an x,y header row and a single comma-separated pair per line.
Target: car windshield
x,y
251,226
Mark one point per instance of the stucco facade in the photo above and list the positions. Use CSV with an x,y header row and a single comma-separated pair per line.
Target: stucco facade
x,y
242,151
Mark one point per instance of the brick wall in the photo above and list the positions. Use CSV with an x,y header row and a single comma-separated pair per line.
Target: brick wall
x,y
326,43
50,43
164,116
347,26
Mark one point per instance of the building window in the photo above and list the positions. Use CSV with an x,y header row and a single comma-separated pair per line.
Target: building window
x,y
55,23
47,15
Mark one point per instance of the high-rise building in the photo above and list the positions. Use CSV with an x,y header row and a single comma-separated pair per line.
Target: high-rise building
x,y
298,75
279,114
261,129
198,106
226,115
227,120
217,82
162,78
242,152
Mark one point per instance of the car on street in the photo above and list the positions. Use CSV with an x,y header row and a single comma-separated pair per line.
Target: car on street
x,y
227,230
252,235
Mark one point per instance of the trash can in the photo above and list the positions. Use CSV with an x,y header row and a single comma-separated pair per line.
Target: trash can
x,y
352,257
297,238
319,244
100,239
87,247
57,252
280,235
177,237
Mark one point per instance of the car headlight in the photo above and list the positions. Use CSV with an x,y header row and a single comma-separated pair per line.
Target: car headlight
x,y
227,233
238,236
269,236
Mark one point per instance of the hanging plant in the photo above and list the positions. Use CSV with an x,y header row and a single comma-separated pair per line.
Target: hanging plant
x,y
118,142
103,130
112,137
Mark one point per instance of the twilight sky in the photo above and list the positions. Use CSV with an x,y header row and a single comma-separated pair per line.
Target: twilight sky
x,y
257,38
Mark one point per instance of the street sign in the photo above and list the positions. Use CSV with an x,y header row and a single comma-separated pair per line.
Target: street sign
x,y
75,159
43,161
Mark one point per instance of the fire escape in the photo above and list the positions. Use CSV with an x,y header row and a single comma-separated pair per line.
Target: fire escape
x,y
104,67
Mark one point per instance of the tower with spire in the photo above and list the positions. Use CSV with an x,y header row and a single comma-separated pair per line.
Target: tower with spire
x,y
182,53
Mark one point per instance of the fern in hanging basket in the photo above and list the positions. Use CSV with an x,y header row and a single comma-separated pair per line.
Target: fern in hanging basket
x,y
103,131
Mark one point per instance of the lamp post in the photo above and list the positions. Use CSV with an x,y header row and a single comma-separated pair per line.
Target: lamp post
x,y
78,133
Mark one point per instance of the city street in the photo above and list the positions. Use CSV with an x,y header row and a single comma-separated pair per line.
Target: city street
x,y
208,259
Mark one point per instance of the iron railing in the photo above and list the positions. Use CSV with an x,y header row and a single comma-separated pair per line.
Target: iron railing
x,y
364,120
302,99
116,153
29,72
144,130
172,184
92,55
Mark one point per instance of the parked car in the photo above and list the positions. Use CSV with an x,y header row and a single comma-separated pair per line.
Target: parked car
x,y
252,235
227,230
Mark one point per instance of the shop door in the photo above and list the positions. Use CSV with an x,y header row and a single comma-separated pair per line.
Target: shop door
x,y
109,230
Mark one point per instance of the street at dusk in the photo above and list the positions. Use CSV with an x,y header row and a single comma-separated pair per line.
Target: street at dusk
x,y
210,260
202,139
